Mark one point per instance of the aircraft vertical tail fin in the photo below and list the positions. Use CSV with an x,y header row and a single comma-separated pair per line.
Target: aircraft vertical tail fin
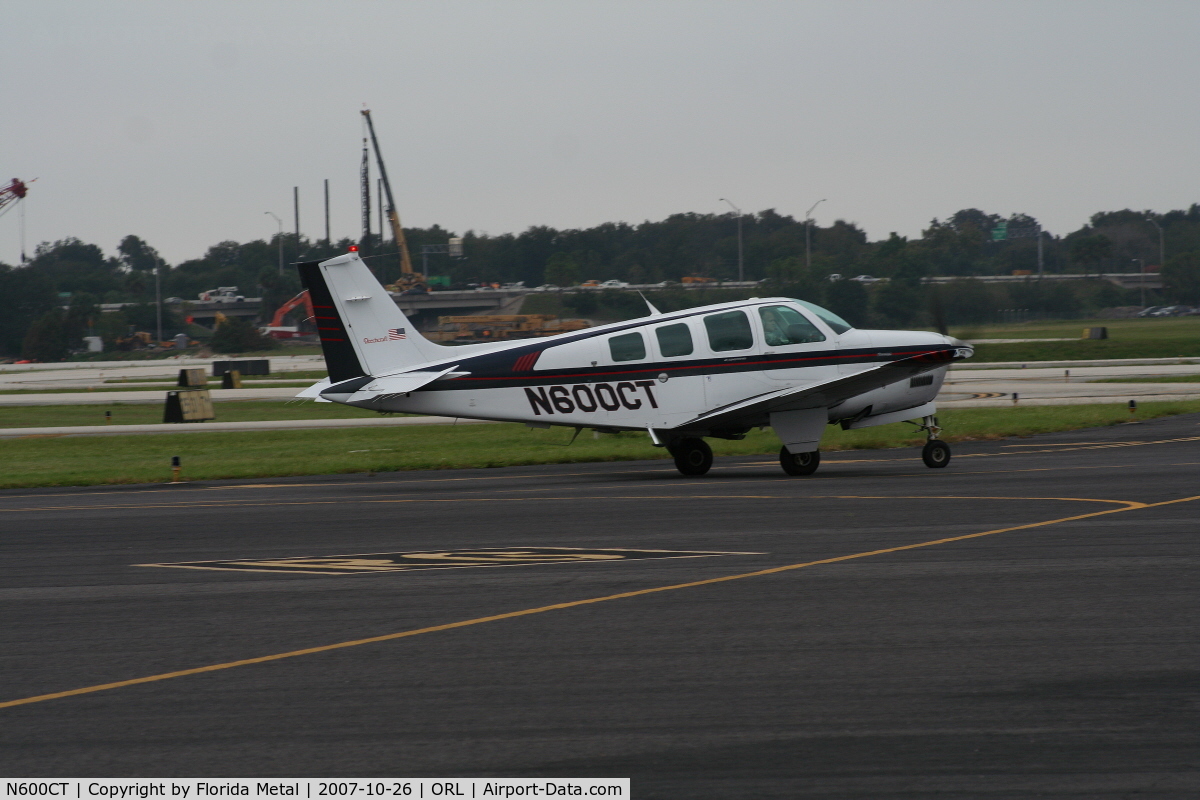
x,y
362,330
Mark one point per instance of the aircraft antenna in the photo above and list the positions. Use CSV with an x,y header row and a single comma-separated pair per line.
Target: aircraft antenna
x,y
654,312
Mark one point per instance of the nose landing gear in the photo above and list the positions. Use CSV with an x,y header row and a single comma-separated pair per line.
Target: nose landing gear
x,y
936,453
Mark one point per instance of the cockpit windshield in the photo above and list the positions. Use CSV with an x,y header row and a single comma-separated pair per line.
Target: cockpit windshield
x,y
831,319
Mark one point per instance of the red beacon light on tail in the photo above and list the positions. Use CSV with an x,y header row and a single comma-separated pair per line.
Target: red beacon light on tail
x,y
353,248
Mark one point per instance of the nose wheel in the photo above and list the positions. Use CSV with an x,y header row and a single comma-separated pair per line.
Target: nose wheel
x,y
936,453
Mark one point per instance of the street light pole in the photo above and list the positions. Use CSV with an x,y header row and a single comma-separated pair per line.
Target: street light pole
x,y
741,265
1040,256
808,235
1162,250
280,237
158,296
1142,278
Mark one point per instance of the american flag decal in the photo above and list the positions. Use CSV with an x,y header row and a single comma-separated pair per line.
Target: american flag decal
x,y
396,333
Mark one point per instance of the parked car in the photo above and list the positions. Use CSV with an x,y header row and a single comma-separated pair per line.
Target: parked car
x,y
590,285
614,284
1174,311
546,287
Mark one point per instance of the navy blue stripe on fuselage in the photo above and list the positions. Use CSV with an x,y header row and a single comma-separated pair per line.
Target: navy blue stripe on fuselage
x,y
483,378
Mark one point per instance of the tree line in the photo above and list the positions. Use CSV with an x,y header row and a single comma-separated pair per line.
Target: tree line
x,y
70,278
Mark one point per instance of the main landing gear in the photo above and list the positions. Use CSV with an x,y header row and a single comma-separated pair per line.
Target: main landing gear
x,y
936,453
799,463
692,456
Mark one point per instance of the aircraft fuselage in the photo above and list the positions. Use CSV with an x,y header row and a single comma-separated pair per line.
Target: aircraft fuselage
x,y
576,379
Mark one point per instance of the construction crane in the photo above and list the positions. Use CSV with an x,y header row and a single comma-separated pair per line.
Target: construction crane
x,y
408,278
13,192
364,181
10,196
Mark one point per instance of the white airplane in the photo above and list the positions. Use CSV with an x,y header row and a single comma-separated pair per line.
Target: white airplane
x,y
716,371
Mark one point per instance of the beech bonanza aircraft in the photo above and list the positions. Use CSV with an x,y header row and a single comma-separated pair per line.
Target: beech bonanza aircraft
x,y
716,371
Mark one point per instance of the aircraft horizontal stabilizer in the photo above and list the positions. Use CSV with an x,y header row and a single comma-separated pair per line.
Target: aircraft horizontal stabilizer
x,y
393,385
314,392
826,394
316,389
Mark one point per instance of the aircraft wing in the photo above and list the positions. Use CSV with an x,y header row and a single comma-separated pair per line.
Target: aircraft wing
x,y
828,393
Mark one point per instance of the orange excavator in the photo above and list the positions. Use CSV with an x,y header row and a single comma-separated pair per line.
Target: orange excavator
x,y
277,330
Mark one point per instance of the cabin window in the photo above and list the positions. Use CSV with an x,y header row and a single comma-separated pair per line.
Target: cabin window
x,y
729,331
831,319
627,347
783,325
674,340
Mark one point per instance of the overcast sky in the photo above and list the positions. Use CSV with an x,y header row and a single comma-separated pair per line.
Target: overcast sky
x,y
183,122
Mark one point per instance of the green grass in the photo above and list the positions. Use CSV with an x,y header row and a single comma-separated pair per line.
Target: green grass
x,y
159,386
77,461
144,413
1086,350
1169,337
309,375
1125,329
78,389
276,380
1152,379
158,355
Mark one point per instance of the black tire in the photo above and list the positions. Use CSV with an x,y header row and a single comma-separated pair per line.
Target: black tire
x,y
936,454
692,456
799,463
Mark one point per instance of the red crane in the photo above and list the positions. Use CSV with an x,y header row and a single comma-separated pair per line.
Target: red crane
x,y
13,192
10,196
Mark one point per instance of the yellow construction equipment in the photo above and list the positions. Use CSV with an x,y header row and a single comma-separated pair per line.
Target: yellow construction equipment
x,y
135,341
497,327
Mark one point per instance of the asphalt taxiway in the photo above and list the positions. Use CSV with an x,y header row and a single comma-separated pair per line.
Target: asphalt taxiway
x,y
1019,624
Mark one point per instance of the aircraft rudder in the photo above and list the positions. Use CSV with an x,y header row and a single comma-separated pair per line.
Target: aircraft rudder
x,y
341,356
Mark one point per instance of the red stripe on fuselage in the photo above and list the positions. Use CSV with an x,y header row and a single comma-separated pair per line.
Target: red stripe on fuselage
x,y
567,378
